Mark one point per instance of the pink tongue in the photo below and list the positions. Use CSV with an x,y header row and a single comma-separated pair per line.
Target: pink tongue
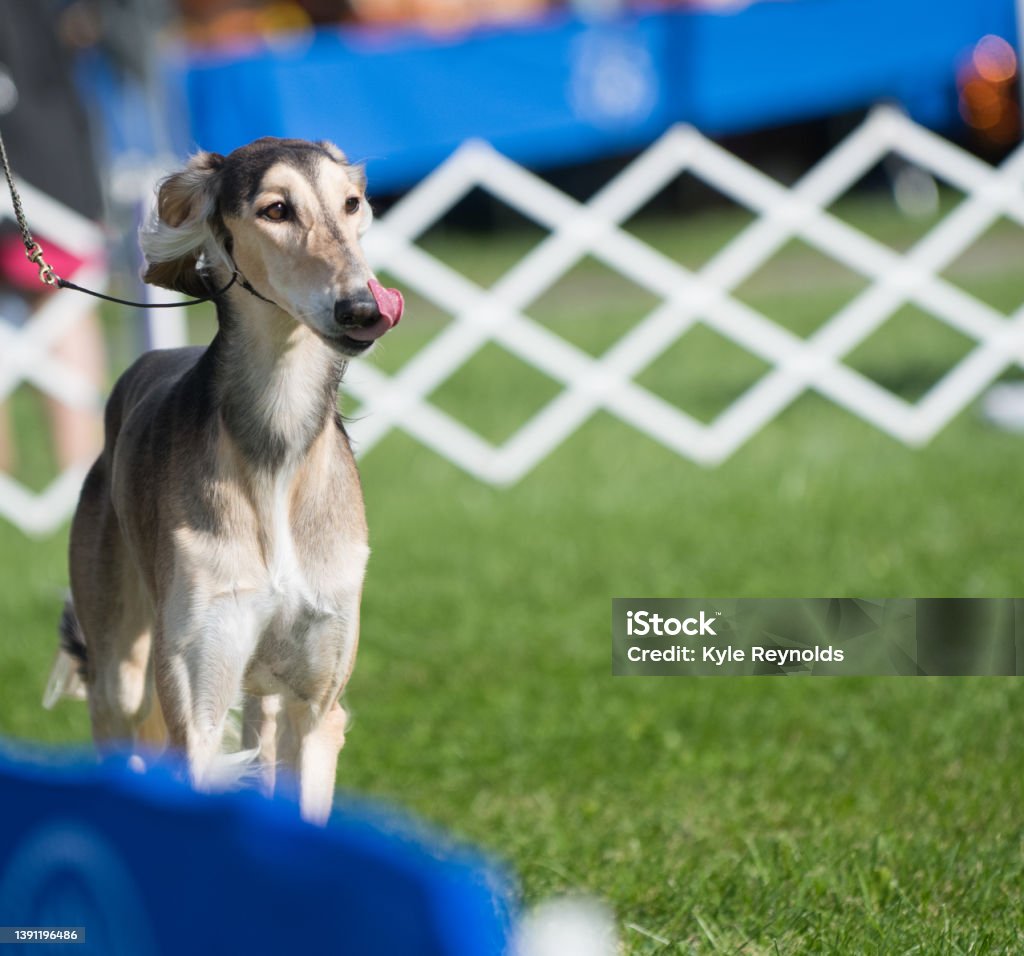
x,y
389,301
390,304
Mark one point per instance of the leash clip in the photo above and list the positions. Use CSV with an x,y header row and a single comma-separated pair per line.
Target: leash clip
x,y
34,254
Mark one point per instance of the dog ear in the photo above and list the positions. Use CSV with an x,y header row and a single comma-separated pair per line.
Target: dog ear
x,y
336,154
184,229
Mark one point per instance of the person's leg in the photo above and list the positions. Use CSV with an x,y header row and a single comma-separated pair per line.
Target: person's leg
x,y
78,432
14,313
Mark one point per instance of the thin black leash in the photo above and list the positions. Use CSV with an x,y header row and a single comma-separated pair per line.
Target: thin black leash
x,y
34,254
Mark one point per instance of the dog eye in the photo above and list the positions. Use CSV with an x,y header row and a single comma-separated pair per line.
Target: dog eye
x,y
275,212
352,204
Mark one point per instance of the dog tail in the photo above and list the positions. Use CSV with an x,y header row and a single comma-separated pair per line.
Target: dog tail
x,y
67,676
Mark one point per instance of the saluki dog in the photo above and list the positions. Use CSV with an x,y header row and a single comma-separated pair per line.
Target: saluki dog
x,y
220,542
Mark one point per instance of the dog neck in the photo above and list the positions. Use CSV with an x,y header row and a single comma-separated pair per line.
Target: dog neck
x,y
276,382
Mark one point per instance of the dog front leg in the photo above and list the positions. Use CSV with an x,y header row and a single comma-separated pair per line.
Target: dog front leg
x,y
311,743
200,655
312,721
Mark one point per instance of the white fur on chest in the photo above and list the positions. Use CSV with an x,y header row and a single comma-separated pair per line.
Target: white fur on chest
x,y
270,585
291,592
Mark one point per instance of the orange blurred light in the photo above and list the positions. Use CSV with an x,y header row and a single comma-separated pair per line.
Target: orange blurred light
x,y
980,105
994,59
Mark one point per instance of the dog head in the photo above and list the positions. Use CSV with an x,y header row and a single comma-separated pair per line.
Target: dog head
x,y
287,215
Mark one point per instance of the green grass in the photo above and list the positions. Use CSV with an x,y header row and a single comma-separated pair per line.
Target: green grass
x,y
731,815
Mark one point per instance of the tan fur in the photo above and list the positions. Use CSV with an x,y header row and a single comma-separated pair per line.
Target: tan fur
x,y
220,543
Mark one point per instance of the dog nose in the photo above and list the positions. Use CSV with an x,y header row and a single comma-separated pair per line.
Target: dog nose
x,y
356,311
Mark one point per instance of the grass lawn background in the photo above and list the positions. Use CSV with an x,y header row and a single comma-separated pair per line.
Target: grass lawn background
x,y
720,815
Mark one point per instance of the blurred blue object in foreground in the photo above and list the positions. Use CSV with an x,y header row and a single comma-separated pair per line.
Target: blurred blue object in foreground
x,y
147,866
560,89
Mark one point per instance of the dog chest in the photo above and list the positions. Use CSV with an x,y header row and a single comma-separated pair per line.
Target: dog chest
x,y
273,569
313,567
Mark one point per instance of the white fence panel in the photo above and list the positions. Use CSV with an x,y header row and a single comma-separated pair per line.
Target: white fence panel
x,y
26,355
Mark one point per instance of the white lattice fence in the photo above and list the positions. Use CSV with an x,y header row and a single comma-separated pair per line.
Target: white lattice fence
x,y
26,355
498,314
